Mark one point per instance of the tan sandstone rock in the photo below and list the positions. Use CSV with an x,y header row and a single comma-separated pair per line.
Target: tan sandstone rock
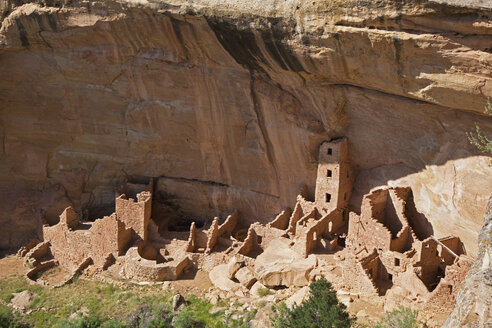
x,y
23,299
219,276
245,276
279,265
300,296
163,89
234,264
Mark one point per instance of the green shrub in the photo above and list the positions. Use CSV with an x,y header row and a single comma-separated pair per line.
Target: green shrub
x,y
9,320
158,317
82,322
479,139
321,310
198,313
7,297
263,291
112,324
401,318
186,319
35,302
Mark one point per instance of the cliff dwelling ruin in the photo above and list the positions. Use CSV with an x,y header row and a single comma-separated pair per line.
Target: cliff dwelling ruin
x,y
386,250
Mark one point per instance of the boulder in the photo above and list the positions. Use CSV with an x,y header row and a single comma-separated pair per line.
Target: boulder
x,y
300,296
23,299
279,265
178,300
235,263
219,276
246,277
254,289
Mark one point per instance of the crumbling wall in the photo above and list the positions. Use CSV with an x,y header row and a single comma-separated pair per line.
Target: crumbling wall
x,y
365,232
97,240
428,262
410,284
296,216
190,247
377,272
68,247
445,293
303,222
229,225
250,243
135,214
281,221
354,276
454,244
212,234
397,262
108,236
394,211
306,205
69,218
201,239
403,240
142,269
309,238
37,253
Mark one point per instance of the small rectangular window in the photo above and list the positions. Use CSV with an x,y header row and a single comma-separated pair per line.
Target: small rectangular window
x,y
328,173
328,198
347,173
397,262
329,151
345,196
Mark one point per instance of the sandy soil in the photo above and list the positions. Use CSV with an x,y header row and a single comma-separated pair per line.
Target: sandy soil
x,y
12,265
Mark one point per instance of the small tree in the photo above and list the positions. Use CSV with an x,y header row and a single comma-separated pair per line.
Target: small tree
x,y
321,310
478,139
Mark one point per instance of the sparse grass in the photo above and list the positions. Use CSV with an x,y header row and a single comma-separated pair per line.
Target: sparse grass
x,y
111,306
35,302
9,320
7,297
261,304
105,301
198,314
263,291
401,318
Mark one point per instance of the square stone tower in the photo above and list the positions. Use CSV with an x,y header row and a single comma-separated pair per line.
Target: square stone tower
x,y
334,180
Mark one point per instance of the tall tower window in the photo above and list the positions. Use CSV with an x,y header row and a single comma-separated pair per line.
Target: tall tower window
x,y
328,173
328,198
329,151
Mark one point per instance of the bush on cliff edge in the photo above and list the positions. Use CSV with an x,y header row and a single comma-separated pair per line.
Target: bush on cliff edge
x,y
321,310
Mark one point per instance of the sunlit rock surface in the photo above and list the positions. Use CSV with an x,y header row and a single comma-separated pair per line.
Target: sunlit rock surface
x,y
226,102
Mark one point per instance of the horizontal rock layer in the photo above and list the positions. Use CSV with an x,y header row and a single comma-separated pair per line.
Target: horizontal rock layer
x,y
227,102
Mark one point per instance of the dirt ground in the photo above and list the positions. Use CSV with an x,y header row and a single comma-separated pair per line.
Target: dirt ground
x,y
12,265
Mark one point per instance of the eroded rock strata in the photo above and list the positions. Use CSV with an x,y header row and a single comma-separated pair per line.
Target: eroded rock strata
x,y
226,102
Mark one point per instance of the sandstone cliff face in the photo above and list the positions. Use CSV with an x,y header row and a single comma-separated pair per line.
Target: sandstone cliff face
x,y
474,302
226,103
